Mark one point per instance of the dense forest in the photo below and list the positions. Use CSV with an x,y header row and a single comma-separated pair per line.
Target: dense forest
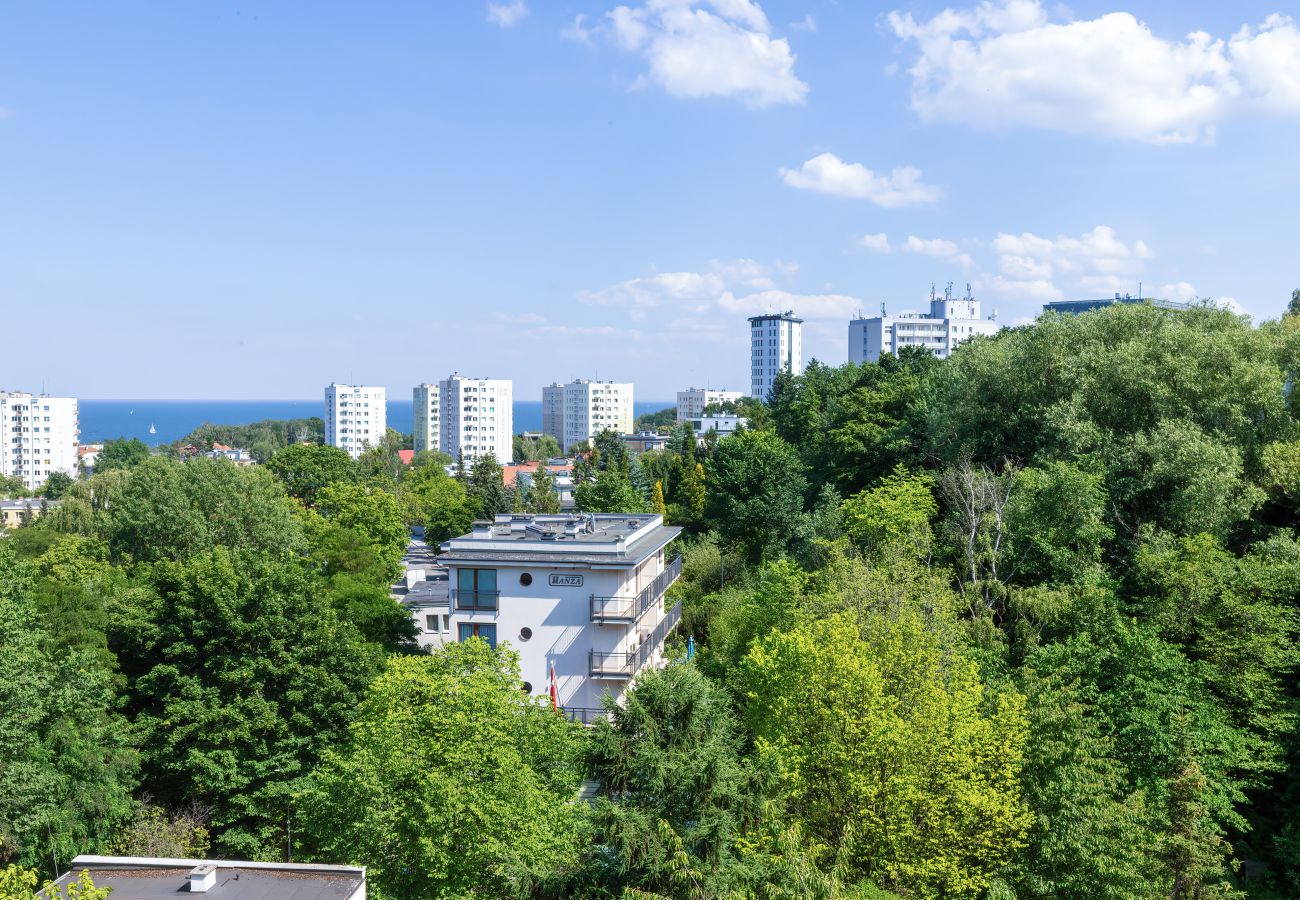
x,y
1017,624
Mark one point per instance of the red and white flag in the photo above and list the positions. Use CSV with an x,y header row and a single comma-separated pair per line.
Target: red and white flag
x,y
555,690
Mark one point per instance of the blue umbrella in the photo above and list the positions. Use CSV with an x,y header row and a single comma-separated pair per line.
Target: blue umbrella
x,y
690,647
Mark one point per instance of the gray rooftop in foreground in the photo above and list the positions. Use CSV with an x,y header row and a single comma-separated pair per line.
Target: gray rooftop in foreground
x,y
141,878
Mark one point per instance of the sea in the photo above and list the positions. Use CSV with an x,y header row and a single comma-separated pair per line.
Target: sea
x,y
171,420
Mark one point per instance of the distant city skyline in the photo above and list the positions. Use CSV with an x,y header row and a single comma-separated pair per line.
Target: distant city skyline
x,y
208,201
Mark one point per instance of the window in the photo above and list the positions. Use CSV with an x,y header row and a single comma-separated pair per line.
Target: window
x,y
525,633
476,589
526,579
483,630
430,623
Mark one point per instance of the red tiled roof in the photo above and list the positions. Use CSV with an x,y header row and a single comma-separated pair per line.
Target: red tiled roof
x,y
406,456
510,474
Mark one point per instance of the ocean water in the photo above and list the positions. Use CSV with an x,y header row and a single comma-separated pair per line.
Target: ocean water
x,y
103,420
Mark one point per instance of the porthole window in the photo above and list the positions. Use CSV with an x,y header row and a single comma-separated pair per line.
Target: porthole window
x,y
525,633
528,687
525,579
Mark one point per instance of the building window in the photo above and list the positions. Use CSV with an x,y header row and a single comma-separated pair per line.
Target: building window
x,y
486,631
526,579
525,633
476,589
430,623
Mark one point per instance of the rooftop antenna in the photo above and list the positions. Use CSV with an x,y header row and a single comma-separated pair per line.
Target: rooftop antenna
x,y
993,316
947,292
883,313
1139,290
931,291
968,293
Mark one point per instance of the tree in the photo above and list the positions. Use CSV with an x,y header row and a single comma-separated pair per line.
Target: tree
x,y
893,517
13,486
121,454
158,833
893,754
1293,308
487,490
56,485
609,492
756,494
676,792
369,511
543,498
306,469
66,763
453,782
657,500
20,884
240,679
439,502
535,449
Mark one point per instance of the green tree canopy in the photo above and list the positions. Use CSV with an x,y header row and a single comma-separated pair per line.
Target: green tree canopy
x,y
121,454
756,487
306,469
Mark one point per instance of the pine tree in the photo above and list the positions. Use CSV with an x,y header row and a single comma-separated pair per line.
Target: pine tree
x,y
695,492
543,497
657,501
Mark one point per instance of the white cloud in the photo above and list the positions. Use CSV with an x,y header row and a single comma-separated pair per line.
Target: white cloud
x,y
579,32
1005,64
1231,305
938,248
828,174
714,48
1181,291
806,306
507,15
807,23
876,243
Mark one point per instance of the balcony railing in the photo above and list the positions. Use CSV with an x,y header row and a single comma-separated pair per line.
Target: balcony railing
x,y
630,609
584,715
625,665
476,601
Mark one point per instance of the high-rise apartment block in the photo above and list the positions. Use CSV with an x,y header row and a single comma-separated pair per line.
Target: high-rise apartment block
x,y
426,411
476,417
38,437
776,345
356,417
949,323
580,410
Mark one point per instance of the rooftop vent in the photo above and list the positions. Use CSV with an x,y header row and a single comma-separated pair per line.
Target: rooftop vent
x,y
203,878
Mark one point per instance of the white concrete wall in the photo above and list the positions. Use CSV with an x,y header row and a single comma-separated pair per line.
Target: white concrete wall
x,y
356,417
38,436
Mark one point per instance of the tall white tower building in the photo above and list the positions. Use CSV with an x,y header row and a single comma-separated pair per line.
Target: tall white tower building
x,y
38,437
949,323
580,410
426,414
476,417
356,417
776,345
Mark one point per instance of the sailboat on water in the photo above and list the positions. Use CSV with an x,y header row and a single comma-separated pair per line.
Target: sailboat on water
x,y
152,430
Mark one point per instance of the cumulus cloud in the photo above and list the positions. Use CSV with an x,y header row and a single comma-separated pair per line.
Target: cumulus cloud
x,y
1006,63
1180,291
938,248
507,15
714,48
740,287
826,173
876,243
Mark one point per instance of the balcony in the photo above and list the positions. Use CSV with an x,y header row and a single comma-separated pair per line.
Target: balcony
x,y
601,664
476,601
584,715
630,609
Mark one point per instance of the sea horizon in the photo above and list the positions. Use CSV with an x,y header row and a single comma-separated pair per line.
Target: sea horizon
x,y
105,419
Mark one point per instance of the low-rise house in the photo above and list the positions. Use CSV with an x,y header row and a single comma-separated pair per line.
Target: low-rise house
x,y
16,513
644,440
147,878
724,425
561,476
582,596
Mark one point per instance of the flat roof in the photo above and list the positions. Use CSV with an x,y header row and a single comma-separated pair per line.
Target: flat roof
x,y
146,878
602,538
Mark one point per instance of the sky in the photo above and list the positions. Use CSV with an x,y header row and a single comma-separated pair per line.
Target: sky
x,y
251,200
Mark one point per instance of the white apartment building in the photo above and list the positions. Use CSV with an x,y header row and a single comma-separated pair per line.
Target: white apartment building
x,y
476,417
949,323
38,437
584,593
692,402
426,411
356,417
776,345
580,410
725,425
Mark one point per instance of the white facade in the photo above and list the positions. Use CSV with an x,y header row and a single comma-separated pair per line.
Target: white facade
x,y
724,425
356,417
949,323
775,345
476,417
426,412
584,593
692,402
580,410
38,437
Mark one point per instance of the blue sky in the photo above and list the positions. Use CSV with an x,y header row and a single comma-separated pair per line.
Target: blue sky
x,y
254,199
